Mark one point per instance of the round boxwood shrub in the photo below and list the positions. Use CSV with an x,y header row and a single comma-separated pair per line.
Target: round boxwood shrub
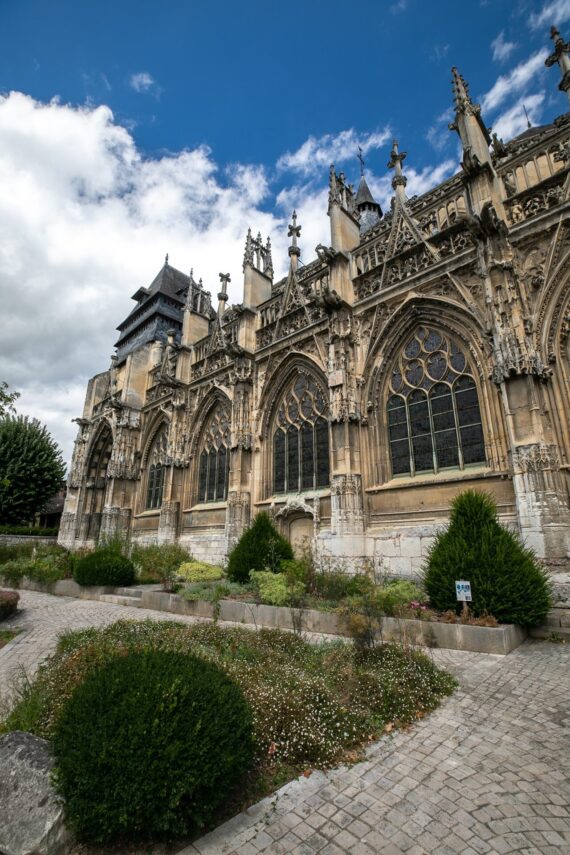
x,y
149,745
506,579
260,547
8,603
104,567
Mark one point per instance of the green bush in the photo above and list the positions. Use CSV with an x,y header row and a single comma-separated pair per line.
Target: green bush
x,y
26,530
159,563
8,552
396,595
104,566
275,589
336,585
8,603
199,571
48,564
260,547
506,579
143,751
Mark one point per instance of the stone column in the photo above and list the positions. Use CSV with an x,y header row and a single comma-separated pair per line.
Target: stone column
x,y
168,522
542,502
347,514
237,516
115,522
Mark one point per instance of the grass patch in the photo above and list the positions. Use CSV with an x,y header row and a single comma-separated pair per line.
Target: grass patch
x,y
313,706
6,635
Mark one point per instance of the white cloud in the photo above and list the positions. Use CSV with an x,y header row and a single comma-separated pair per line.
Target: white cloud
x,y
513,121
439,53
84,221
438,133
510,84
501,48
142,82
555,12
319,152
399,6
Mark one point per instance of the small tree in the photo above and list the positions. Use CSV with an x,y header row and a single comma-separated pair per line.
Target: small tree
x,y
31,468
260,547
7,399
506,579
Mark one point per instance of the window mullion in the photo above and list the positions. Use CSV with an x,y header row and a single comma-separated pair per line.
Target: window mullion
x,y
457,431
432,431
410,446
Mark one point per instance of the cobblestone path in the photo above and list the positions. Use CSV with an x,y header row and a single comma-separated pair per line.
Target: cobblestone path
x,y
488,772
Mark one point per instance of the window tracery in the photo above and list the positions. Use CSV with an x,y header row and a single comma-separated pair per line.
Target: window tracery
x,y
434,420
301,438
214,458
157,461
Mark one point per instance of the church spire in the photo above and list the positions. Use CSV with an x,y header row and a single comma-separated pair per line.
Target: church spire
x,y
468,123
399,180
562,58
369,211
294,232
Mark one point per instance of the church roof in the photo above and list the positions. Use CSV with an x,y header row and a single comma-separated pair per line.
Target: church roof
x,y
169,282
363,195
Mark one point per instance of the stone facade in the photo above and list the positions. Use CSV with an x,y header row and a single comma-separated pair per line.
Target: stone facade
x,y
424,352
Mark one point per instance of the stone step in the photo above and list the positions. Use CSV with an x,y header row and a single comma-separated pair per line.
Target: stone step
x,y
120,600
129,592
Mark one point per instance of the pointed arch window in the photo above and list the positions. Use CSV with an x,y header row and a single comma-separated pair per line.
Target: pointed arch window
x,y
433,415
214,458
157,462
301,438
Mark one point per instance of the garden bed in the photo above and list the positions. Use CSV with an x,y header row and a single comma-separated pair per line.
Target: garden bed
x,y
476,639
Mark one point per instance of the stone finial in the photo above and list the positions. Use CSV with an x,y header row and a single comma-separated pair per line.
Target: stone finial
x,y
223,295
166,260
248,252
268,259
560,57
461,97
399,180
294,232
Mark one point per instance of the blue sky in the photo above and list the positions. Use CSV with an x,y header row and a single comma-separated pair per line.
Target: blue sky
x,y
132,129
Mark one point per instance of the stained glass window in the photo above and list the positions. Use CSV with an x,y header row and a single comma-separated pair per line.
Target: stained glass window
x,y
301,438
434,420
214,458
157,461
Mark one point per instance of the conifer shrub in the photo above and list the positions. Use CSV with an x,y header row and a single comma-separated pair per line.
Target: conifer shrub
x,y
105,566
149,745
506,579
260,547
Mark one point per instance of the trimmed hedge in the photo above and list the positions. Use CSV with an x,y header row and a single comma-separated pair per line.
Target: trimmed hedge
x,y
8,603
149,746
260,547
507,582
105,566
28,531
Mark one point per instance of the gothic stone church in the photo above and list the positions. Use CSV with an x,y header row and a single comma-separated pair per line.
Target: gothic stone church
x,y
424,352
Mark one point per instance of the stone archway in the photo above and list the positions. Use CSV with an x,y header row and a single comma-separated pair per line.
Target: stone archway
x,y
297,521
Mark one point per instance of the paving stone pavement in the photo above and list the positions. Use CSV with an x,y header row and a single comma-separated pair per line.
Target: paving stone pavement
x,y
488,772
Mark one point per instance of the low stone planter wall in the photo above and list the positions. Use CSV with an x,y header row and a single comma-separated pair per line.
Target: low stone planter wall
x,y
17,539
477,639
